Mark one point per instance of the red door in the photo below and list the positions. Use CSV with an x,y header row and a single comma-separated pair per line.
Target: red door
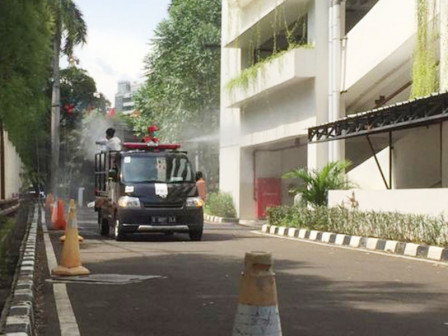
x,y
268,193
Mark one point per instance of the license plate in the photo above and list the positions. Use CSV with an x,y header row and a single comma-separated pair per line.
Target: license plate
x,y
163,220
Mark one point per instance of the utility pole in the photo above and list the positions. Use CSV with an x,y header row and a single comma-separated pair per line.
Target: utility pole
x,y
55,107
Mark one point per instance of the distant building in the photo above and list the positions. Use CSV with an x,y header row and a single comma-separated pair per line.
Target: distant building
x,y
123,99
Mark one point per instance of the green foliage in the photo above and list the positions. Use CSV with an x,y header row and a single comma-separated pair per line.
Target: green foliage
x,y
80,104
424,69
220,204
385,225
25,35
182,85
78,95
70,27
182,89
317,182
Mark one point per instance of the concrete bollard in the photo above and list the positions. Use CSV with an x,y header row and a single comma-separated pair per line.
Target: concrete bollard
x,y
257,313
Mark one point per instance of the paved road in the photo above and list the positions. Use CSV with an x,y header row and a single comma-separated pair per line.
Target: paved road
x,y
323,290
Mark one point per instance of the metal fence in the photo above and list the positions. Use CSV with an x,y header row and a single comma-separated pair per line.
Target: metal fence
x,y
9,206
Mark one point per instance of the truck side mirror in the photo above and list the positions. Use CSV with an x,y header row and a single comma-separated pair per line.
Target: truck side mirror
x,y
112,174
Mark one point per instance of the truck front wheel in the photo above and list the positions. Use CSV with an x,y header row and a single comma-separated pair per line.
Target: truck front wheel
x,y
118,234
195,235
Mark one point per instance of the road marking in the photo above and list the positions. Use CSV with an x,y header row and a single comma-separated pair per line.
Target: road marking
x,y
434,262
66,316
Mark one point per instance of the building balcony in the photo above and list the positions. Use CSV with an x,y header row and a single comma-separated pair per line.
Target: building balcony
x,y
293,66
372,68
252,20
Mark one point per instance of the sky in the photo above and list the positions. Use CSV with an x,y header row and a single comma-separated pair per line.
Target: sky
x,y
118,38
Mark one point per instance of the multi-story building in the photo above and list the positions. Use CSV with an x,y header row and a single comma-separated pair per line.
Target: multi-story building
x,y
123,98
295,76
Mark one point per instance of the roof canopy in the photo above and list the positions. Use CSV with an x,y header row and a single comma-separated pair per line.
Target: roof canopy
x,y
413,113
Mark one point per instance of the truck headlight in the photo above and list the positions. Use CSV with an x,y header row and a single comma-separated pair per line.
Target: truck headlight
x,y
194,202
129,202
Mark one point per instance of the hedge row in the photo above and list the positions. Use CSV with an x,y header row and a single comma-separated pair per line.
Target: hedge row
x,y
220,204
420,229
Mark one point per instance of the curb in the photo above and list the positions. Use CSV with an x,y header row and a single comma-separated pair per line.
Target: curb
x,y
434,253
217,219
20,305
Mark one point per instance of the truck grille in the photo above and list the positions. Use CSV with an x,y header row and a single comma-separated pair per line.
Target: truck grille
x,y
162,205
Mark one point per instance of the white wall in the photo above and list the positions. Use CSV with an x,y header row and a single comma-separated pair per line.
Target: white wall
x,y
414,201
370,170
13,168
384,28
416,158
229,154
445,155
280,115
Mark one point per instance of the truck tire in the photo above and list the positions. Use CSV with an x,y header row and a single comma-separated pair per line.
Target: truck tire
x,y
195,235
118,234
103,227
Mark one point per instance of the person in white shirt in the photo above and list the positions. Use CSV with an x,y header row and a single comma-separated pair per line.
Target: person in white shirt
x,y
112,143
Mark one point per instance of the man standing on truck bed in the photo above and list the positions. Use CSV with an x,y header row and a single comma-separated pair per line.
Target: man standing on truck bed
x,y
112,142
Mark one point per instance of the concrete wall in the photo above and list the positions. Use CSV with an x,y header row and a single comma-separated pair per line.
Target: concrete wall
x,y
379,33
369,168
279,115
415,201
13,168
416,158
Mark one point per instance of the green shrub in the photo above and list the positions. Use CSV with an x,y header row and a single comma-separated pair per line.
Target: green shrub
x,y
385,225
220,204
317,182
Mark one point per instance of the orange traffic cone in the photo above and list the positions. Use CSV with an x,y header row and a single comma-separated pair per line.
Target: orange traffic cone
x,y
54,216
71,205
257,312
70,258
60,223
49,202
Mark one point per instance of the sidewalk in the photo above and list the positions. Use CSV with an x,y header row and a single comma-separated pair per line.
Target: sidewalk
x,y
255,223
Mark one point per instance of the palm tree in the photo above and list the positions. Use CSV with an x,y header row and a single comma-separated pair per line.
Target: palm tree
x,y
69,30
318,182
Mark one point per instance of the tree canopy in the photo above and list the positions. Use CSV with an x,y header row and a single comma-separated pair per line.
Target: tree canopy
x,y
79,95
182,89
183,68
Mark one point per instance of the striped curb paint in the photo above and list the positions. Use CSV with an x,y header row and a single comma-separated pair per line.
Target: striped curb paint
x,y
20,313
435,253
216,219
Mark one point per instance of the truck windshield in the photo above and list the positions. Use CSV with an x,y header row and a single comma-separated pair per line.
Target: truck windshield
x,y
162,169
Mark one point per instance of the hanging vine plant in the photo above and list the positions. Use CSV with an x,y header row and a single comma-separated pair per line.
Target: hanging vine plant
x,y
258,61
424,69
250,73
